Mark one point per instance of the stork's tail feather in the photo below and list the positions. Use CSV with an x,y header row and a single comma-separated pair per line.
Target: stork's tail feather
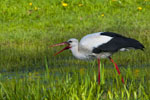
x,y
136,44
141,46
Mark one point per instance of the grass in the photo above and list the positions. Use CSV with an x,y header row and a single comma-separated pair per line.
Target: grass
x,y
76,83
29,70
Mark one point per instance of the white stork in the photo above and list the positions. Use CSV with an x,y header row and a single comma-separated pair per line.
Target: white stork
x,y
100,45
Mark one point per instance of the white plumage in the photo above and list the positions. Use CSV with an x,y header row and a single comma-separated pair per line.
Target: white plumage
x,y
91,41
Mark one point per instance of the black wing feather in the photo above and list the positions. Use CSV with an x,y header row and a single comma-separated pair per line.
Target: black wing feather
x,y
116,43
111,34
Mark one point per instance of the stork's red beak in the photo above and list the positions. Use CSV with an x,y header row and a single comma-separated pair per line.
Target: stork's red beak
x,y
63,43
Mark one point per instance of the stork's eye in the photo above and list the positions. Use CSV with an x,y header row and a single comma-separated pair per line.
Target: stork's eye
x,y
69,41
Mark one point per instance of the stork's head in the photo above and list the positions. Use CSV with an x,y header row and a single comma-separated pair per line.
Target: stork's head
x,y
70,44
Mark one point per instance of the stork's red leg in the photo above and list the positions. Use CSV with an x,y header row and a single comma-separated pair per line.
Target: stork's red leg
x,y
116,68
98,71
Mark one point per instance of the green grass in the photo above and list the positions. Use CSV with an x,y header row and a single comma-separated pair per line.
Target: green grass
x,y
29,71
76,83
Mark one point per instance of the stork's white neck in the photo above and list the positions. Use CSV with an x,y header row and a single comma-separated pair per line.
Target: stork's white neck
x,y
78,54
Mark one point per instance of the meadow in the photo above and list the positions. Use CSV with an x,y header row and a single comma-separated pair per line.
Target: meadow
x,y
29,71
